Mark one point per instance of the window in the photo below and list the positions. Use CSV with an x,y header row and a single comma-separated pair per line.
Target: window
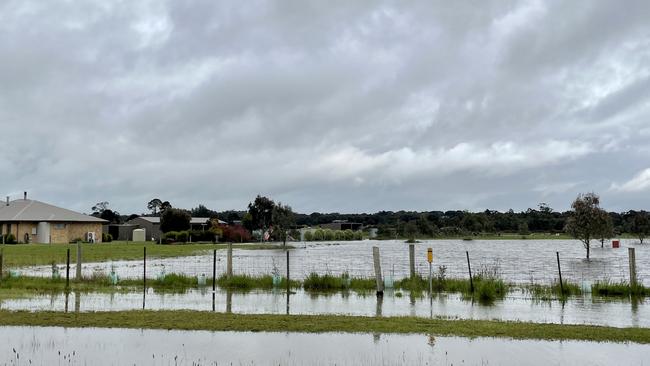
x,y
59,226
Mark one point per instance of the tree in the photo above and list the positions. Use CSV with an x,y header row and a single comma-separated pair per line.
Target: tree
x,y
101,210
261,212
282,219
639,224
99,207
605,227
585,221
154,206
522,228
165,206
410,231
174,219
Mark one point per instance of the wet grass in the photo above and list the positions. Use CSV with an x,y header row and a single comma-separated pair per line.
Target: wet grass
x,y
486,289
247,282
197,320
619,289
37,254
552,292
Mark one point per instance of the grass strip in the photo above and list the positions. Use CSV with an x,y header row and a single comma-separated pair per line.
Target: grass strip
x,y
37,254
200,320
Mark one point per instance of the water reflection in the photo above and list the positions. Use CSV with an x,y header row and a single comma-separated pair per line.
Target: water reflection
x,y
95,346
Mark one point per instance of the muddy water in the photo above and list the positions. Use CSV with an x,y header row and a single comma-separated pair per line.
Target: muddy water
x,y
73,346
578,310
519,261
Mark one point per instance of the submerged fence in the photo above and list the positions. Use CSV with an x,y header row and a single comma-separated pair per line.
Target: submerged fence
x,y
395,263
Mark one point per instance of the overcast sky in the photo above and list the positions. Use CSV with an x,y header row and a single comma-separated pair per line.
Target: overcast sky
x,y
346,106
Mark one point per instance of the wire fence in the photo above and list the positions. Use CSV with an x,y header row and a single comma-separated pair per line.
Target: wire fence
x,y
358,262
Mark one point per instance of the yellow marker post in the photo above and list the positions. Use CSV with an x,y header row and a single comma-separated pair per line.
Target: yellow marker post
x,y
430,260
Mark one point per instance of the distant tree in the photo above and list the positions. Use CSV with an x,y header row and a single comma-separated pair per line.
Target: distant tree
x,y
584,222
174,219
282,218
164,206
111,216
410,231
605,227
522,228
261,212
99,207
101,210
202,211
639,224
424,226
154,206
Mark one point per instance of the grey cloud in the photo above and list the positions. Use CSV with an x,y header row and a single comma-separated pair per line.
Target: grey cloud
x,y
327,106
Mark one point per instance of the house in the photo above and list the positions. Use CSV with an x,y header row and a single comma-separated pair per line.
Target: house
x,y
342,225
152,225
32,221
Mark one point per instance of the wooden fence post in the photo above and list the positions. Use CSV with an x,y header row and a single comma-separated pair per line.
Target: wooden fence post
x,y
229,262
79,261
144,276
377,264
469,267
632,260
1,261
559,270
67,269
412,260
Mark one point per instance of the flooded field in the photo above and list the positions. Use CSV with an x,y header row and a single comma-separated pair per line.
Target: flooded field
x,y
517,261
73,346
577,310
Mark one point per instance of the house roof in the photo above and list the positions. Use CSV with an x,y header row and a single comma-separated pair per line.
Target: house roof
x,y
32,210
193,220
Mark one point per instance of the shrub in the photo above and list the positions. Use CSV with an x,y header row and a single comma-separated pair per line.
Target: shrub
x,y
349,234
327,282
338,235
202,235
182,236
319,235
309,236
328,234
358,235
235,233
107,238
170,236
10,239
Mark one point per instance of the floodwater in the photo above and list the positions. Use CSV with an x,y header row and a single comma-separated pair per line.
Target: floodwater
x,y
517,261
577,310
96,346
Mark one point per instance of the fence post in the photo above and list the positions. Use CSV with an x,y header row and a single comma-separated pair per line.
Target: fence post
x,y
1,260
632,260
144,276
469,267
214,270
559,270
67,269
288,286
377,264
412,260
229,262
78,272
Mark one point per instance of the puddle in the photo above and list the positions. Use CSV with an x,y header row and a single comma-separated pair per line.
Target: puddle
x,y
96,346
517,261
577,310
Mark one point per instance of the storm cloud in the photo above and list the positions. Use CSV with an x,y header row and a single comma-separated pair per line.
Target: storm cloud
x,y
326,106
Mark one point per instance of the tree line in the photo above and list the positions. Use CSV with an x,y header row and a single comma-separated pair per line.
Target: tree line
x,y
277,220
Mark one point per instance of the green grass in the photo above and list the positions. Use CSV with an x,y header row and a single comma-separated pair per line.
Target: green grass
x,y
619,289
552,292
247,282
37,254
197,320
